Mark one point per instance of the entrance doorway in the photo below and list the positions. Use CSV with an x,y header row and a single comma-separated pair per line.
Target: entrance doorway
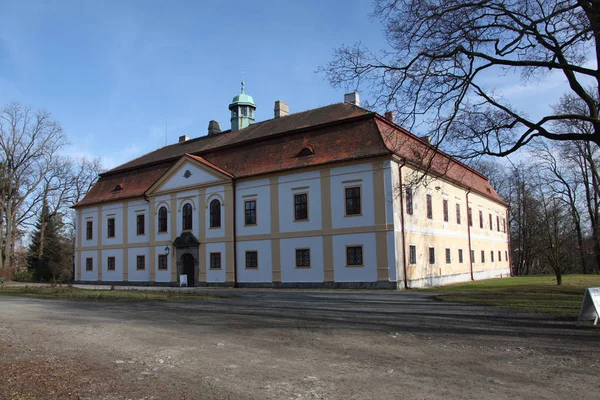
x,y
187,261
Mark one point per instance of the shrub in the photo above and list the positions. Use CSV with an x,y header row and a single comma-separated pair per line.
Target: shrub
x,y
23,276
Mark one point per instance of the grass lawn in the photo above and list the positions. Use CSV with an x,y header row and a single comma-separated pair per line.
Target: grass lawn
x,y
70,293
534,293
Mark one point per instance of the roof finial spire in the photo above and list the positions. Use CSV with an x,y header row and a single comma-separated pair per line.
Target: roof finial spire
x,y
242,81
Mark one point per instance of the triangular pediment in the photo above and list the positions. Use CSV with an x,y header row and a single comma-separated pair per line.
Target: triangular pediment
x,y
189,172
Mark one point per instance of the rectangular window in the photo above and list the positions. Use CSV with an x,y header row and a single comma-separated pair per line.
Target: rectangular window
x,y
162,262
448,256
492,256
354,255
499,255
110,227
431,255
491,225
470,216
445,204
215,260
300,207
482,256
498,223
89,229
458,213
353,200
110,264
504,225
506,255
429,207
412,254
302,257
141,224
460,256
250,212
472,256
409,201
89,264
252,259
140,262
481,219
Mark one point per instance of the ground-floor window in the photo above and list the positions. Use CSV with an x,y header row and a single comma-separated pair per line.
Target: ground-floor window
x,y
251,259
215,260
302,257
499,255
482,256
162,262
448,256
431,255
140,262
89,264
506,255
460,256
472,256
354,255
412,254
492,256
110,264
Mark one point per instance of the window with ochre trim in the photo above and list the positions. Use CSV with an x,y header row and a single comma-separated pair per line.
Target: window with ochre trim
x,y
110,227
140,222
163,262
89,264
353,206
250,212
300,206
187,217
354,255
110,264
162,219
251,259
302,257
215,260
140,262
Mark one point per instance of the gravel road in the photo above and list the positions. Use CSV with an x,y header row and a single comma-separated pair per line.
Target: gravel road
x,y
276,344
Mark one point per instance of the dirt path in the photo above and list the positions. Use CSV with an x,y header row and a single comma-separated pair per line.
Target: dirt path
x,y
290,345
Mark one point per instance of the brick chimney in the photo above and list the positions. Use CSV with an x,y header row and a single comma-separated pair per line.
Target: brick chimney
x,y
281,109
213,127
183,138
389,115
352,98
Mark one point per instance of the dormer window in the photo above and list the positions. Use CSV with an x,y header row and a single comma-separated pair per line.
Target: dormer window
x,y
118,187
306,151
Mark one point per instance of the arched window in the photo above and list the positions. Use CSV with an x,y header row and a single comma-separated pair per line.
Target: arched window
x,y
215,214
162,219
187,217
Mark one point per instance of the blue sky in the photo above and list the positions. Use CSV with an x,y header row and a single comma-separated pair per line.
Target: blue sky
x,y
114,72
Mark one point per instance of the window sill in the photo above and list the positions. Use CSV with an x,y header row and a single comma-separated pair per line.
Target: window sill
x,y
214,268
355,266
302,220
353,215
303,266
250,267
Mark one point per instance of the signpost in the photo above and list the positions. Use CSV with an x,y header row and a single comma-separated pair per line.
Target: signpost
x,y
183,281
590,307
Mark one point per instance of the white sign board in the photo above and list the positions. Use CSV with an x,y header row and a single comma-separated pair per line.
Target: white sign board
x,y
183,280
590,307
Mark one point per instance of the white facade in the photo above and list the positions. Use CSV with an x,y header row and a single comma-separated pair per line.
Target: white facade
x,y
381,229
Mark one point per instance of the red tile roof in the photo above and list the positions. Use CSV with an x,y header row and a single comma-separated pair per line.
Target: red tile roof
x,y
339,132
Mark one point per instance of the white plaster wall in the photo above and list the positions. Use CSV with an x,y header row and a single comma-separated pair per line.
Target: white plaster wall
x,y
258,190
89,214
289,271
289,185
211,193
117,274
264,272
164,200
112,211
162,275
391,256
216,275
199,176
135,275
366,273
89,275
192,197
338,200
138,207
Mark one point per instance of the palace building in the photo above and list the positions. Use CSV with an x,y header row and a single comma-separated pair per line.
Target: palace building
x,y
337,196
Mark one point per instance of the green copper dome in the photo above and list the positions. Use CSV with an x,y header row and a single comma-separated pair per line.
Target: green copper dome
x,y
242,98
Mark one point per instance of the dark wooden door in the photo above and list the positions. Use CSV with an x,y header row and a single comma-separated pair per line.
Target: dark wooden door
x,y
188,268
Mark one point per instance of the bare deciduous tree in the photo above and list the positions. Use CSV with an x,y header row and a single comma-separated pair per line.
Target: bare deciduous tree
x,y
28,144
442,54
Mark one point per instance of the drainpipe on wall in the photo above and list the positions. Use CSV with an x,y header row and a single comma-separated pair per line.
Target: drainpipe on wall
x,y
469,235
402,224
507,226
235,284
